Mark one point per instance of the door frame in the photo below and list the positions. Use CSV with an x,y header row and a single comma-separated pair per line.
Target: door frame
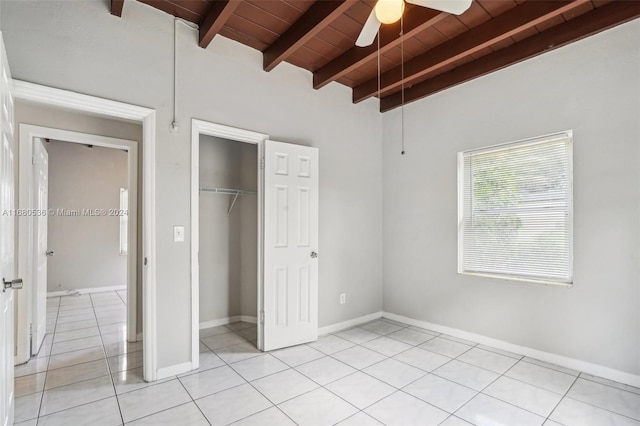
x,y
198,128
26,223
50,96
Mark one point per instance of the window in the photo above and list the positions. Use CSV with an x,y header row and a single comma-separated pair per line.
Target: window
x,y
124,221
515,210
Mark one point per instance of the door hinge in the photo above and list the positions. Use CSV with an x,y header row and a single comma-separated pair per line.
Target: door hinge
x,y
33,160
262,163
146,261
261,317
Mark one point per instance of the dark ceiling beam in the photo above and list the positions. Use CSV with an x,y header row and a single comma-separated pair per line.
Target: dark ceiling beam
x,y
218,13
511,22
116,7
417,19
314,20
600,19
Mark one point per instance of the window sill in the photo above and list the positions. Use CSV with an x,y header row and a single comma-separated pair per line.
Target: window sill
x,y
518,279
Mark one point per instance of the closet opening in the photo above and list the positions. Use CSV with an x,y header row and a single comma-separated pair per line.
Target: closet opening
x,y
228,249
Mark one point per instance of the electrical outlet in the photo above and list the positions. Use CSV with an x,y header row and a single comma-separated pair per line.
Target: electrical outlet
x,y
343,298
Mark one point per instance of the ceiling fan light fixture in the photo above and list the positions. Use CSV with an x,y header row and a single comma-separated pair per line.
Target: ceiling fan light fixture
x,y
389,11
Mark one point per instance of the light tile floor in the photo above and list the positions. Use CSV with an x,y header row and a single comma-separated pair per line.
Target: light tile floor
x,y
383,372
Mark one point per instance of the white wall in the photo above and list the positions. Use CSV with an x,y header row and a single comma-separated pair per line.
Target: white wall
x,y
228,243
79,46
592,87
87,248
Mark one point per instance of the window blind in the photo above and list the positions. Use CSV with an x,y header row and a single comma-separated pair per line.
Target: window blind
x,y
515,210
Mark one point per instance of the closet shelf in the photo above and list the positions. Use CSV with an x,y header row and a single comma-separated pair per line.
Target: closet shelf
x,y
228,191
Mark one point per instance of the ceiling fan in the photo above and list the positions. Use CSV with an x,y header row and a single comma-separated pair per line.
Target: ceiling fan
x,y
390,11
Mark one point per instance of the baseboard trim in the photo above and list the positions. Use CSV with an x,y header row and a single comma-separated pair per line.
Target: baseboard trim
x,y
173,370
227,320
85,291
349,323
246,318
560,360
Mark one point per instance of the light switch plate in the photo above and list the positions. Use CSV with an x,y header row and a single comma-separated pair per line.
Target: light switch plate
x,y
178,234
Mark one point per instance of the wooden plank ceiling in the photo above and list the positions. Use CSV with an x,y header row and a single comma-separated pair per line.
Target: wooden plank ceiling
x,y
439,50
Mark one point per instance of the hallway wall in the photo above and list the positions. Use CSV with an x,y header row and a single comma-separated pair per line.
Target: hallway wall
x,y
86,248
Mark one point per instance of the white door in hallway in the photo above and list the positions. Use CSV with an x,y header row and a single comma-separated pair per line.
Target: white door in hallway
x,y
41,204
7,248
290,285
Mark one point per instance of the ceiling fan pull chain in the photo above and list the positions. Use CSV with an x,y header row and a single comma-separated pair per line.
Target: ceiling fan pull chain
x,y
402,77
379,89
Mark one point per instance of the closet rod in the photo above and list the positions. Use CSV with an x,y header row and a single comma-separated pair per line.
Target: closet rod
x,y
229,191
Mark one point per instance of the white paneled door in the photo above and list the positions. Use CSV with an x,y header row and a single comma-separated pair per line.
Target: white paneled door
x,y
41,203
7,249
290,286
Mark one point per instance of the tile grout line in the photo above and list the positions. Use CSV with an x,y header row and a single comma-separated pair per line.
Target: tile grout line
x,y
123,300
192,400
459,418
456,358
47,371
291,368
492,382
561,399
501,400
265,397
580,376
503,374
361,370
106,359
500,375
598,407
71,408
76,350
549,366
83,362
386,357
48,360
229,364
396,389
532,384
77,338
246,382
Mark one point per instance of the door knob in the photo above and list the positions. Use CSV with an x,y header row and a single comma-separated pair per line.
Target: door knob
x,y
49,252
314,254
13,284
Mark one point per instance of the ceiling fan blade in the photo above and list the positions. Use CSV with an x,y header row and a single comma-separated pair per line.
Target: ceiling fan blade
x,y
369,31
455,7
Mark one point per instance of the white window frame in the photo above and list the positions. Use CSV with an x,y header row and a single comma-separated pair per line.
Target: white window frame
x,y
568,134
124,221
